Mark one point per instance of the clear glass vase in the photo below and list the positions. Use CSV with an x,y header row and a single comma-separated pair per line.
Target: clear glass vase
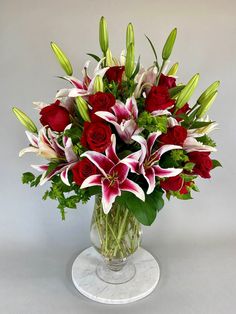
x,y
116,236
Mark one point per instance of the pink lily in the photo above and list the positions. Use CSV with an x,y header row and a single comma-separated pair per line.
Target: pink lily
x,y
113,177
47,146
124,119
148,161
82,88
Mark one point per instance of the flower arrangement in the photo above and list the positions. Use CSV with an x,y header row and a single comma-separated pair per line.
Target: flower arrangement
x,y
126,133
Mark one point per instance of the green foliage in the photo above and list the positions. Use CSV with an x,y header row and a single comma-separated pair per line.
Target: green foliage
x,y
200,124
206,140
74,133
216,163
31,179
176,158
189,166
151,123
145,212
68,196
174,91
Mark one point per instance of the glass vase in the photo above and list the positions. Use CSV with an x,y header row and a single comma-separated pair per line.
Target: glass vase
x,y
116,236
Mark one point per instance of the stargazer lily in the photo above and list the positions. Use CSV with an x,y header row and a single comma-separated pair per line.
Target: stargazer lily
x,y
148,162
82,88
113,177
47,146
124,119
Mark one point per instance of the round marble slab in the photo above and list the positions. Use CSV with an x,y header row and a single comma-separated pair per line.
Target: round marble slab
x,y
89,284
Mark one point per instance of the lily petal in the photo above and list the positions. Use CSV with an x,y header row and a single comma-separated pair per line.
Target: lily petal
x,y
192,145
149,175
93,180
166,173
130,186
111,150
109,194
103,163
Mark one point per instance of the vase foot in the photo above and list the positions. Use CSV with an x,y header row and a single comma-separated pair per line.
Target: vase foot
x,y
125,274
143,282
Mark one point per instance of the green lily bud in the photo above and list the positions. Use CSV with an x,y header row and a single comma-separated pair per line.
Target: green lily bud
x,y
206,104
167,49
129,35
187,92
109,60
62,58
103,35
211,89
82,107
129,62
25,120
98,84
173,70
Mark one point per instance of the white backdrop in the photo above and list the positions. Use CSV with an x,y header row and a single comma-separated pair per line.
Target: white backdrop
x,y
194,240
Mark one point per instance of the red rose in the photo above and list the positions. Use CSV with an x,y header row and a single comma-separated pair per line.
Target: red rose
x,y
184,189
100,102
115,74
176,136
158,99
96,136
55,116
82,170
172,183
167,81
182,110
203,163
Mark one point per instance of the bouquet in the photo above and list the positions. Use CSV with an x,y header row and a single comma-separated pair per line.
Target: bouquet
x,y
126,133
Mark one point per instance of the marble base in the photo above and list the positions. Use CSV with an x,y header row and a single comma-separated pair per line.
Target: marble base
x,y
89,284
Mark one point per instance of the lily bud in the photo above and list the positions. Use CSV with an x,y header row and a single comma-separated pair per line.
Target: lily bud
x,y
98,84
173,70
129,62
109,60
103,35
25,120
206,104
211,89
167,49
129,35
187,92
62,58
82,107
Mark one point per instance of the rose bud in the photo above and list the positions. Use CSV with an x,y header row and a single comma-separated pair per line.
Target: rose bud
x,y
158,99
55,116
96,136
167,81
82,170
175,136
114,74
203,163
100,102
172,183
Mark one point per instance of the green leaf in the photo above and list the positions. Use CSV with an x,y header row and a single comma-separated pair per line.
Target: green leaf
x,y
206,140
174,91
154,50
136,69
145,212
200,124
189,166
97,58
216,163
27,177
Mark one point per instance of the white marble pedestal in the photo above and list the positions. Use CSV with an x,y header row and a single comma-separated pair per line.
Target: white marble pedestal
x,y
89,284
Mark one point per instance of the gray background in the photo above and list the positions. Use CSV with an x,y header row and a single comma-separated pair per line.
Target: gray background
x,y
194,240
